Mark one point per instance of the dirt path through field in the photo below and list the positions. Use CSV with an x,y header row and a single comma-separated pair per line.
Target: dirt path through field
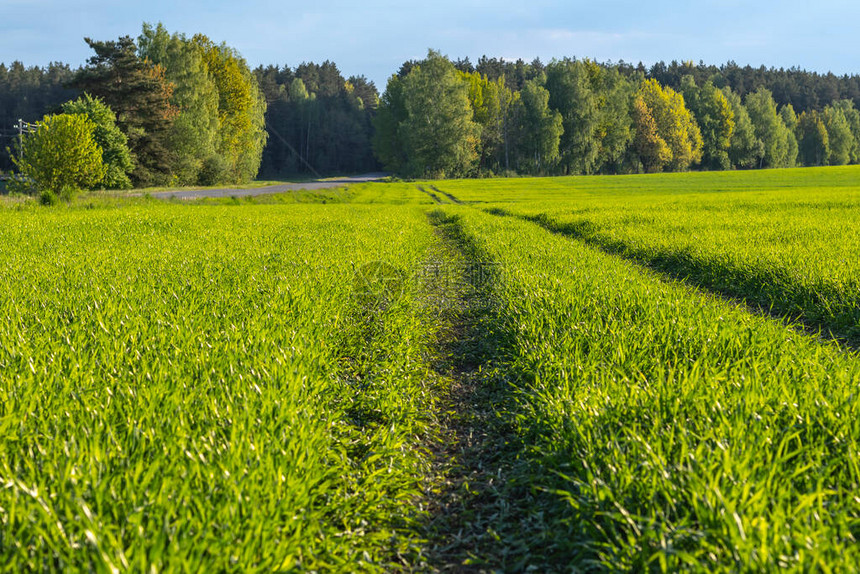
x,y
474,526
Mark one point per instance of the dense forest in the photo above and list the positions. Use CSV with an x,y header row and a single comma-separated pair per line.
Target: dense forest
x,y
191,111
318,121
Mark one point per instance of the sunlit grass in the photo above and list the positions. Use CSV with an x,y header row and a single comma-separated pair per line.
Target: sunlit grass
x,y
676,431
181,388
203,385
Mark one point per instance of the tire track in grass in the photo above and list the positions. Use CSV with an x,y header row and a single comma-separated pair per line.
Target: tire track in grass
x,y
642,398
744,291
430,194
446,194
481,519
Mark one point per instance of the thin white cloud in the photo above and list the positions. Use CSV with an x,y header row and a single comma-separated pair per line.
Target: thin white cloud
x,y
374,37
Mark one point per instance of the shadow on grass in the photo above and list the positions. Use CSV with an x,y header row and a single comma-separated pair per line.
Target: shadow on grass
x,y
491,511
769,291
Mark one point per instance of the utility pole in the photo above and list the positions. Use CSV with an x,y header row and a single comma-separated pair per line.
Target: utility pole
x,y
20,139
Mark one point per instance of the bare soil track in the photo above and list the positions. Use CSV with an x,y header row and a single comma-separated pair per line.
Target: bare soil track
x,y
481,519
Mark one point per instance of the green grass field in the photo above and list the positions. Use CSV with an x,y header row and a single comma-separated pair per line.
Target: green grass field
x,y
592,373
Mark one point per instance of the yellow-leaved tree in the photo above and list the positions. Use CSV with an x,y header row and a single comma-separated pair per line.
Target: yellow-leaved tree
x,y
241,109
675,127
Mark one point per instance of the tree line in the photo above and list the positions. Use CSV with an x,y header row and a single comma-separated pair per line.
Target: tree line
x,y
442,118
190,111
164,109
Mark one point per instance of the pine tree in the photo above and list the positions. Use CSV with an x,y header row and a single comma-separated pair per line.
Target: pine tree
x,y
138,92
388,142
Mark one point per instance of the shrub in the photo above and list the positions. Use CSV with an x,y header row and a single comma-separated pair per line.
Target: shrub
x,y
113,143
62,156
214,170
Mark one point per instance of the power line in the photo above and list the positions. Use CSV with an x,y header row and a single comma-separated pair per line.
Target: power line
x,y
303,160
22,126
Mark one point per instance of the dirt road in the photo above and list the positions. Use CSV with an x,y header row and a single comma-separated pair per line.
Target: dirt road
x,y
231,192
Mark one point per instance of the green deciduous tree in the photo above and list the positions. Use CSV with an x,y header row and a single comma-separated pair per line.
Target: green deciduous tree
x,y
573,97
538,129
745,149
789,118
62,155
615,124
438,134
194,134
852,116
113,143
769,129
715,119
814,143
508,101
594,103
651,149
485,98
839,135
241,109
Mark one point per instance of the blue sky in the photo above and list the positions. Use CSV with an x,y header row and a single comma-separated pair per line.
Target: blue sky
x,y
373,37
